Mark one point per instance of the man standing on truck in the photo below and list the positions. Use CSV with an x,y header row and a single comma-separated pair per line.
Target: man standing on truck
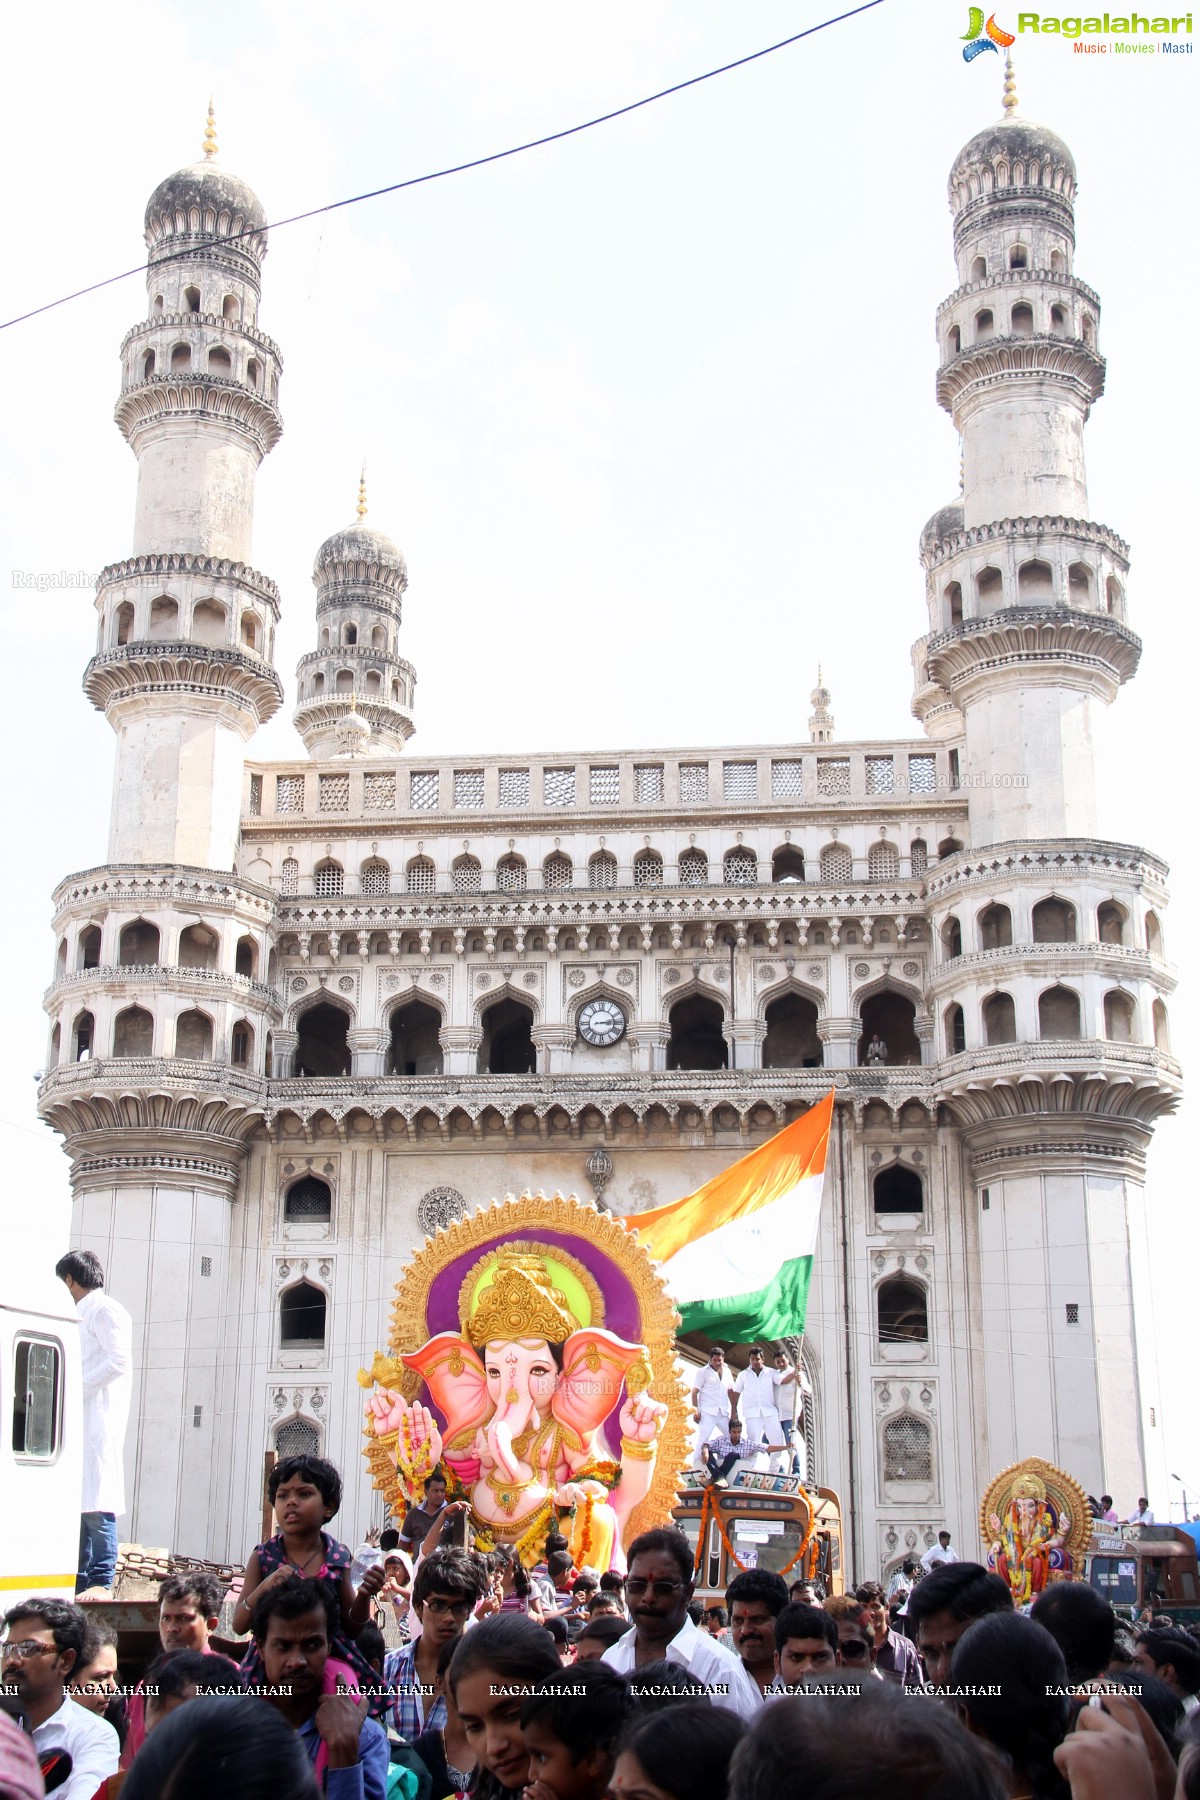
x,y
755,1387
106,1343
714,1400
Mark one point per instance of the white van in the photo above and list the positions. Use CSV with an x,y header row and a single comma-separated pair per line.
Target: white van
x,y
41,1440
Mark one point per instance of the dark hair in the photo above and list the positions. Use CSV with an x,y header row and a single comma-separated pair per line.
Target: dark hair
x,y
1082,1624
713,1611
686,1749
870,1593
963,1589
389,1539
602,1603
555,1541
438,1474
227,1743
557,1564
206,1590
370,1641
586,1710
99,1634
83,1266
322,1474
67,1624
291,1600
695,1611
758,1584
1106,1499
176,1670
1175,1647
663,1683
800,1621
457,1574
603,1628
1164,1708
841,1746
611,1582
509,1644
667,1541
1011,1676
557,1629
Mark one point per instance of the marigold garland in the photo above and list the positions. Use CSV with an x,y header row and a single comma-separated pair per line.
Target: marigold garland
x,y
709,1510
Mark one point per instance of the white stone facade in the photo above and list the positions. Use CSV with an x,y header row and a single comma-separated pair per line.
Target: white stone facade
x,y
309,1010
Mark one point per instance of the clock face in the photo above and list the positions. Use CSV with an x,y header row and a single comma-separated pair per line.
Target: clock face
x,y
601,1022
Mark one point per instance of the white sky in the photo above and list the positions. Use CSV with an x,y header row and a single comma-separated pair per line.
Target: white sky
x,y
650,411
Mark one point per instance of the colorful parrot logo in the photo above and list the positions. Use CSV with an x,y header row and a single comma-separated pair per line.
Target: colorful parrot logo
x,y
975,42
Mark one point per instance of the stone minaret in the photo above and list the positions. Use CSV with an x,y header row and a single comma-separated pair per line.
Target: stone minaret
x,y
162,1006
355,691
1049,976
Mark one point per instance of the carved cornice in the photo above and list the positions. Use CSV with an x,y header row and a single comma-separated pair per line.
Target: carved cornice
x,y
325,713
1053,860
569,910
1088,646
197,396
1015,278
1000,360
178,562
212,321
1128,1085
352,653
115,1170
159,886
215,671
1116,962
1083,531
157,978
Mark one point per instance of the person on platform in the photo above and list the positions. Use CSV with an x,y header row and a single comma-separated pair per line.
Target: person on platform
x,y
941,1552
660,1584
106,1344
713,1399
944,1604
785,1379
294,1625
755,1598
757,1409
45,1641
895,1656
726,1453
1108,1511
1142,1513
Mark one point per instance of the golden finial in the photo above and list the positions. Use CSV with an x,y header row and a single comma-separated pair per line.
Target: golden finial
x,y
1010,86
362,493
210,133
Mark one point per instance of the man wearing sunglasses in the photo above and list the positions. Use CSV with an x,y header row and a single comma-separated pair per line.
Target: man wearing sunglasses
x,y
658,1587
45,1640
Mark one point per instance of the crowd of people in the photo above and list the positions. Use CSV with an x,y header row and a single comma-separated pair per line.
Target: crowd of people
x,y
558,1683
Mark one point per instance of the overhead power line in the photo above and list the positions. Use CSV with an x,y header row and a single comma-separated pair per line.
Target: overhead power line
x,y
477,162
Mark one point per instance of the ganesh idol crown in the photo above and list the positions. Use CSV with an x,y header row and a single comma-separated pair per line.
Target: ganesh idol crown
x,y
532,1360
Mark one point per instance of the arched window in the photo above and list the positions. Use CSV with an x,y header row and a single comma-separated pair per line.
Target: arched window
x,y
787,864
55,1046
219,361
414,1047
898,1189
948,847
230,309
373,682
1154,936
250,631
133,1032
512,875
557,872
322,1046
343,682
1089,330
254,373
1058,263
1035,584
191,299
602,870
164,619
349,633
952,605
1110,922
181,358
89,948
194,1036
197,948
984,324
289,875
888,1019
148,365
647,869
903,1311
1022,319
507,1047
308,1201
1113,596
953,341
124,623
693,868
138,946
1162,1034
375,878
791,1040
1018,257
1054,922
301,1317
1058,1013
1079,584
740,867
83,1034
907,1449
952,944
883,863
1058,321
296,1437
328,878
995,927
999,1019
697,1040
1118,1017
979,269
420,877
954,1027
837,864
378,638
918,857
466,875
241,1053
989,588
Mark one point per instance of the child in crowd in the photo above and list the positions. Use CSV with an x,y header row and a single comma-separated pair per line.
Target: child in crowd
x,y
570,1727
600,1634
677,1753
495,1667
306,1491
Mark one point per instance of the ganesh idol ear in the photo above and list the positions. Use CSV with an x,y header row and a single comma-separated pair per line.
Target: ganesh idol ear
x,y
595,1364
455,1378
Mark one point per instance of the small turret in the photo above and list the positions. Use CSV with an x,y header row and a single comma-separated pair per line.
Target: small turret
x,y
820,723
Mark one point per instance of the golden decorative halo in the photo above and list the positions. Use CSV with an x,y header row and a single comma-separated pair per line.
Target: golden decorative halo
x,y
1036,1479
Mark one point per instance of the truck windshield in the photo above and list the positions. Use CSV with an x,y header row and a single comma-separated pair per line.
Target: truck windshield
x,y
1116,1578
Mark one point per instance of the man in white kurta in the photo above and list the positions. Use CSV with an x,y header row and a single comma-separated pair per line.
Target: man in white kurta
x,y
711,1399
758,1411
106,1346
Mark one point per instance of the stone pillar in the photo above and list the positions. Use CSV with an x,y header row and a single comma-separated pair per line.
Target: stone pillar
x,y
840,1037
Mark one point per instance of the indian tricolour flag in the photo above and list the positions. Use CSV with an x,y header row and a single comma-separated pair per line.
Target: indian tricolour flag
x,y
738,1253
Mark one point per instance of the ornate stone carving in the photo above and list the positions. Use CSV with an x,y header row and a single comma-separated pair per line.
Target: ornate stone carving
x,y
439,1208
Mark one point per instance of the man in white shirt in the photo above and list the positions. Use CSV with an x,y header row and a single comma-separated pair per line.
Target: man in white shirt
x,y
939,1553
659,1585
1143,1515
44,1641
758,1411
711,1397
106,1343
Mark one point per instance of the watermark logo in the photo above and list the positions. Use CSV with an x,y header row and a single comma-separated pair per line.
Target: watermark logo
x,y
979,37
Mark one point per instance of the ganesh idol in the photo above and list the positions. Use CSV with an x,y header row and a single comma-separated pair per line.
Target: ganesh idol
x,y
535,1409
